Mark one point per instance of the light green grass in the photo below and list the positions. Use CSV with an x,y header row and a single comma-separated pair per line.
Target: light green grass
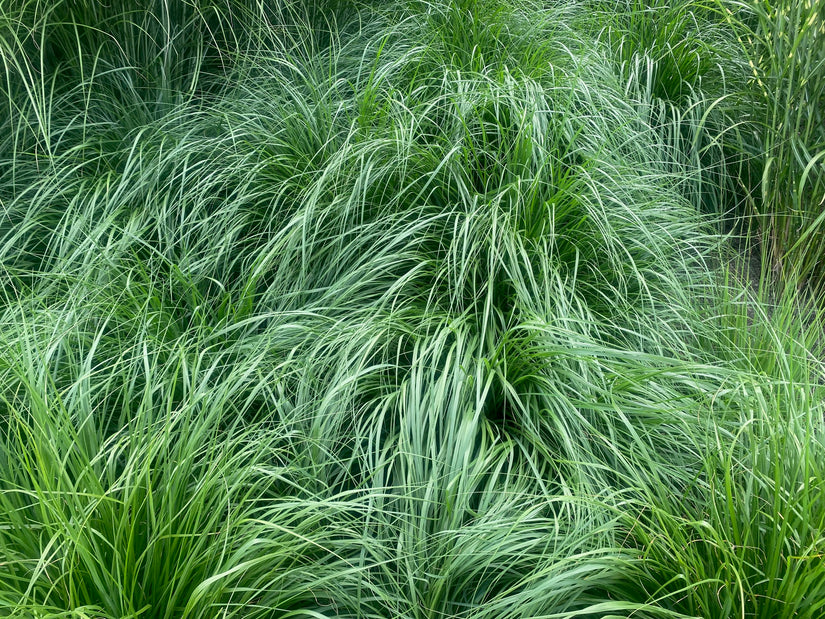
x,y
414,310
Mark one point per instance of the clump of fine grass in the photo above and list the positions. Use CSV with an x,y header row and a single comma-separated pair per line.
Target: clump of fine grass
x,y
424,320
681,65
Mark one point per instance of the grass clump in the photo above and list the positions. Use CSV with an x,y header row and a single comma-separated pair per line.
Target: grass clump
x,y
783,42
348,310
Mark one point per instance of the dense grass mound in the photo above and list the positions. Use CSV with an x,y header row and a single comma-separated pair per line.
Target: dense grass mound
x,y
326,309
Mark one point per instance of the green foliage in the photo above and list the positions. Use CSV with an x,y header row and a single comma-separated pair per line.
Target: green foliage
x,y
785,44
331,309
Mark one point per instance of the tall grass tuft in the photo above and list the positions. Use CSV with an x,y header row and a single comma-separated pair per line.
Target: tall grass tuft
x,y
784,45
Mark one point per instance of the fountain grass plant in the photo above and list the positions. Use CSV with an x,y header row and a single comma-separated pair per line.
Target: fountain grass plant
x,y
784,44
